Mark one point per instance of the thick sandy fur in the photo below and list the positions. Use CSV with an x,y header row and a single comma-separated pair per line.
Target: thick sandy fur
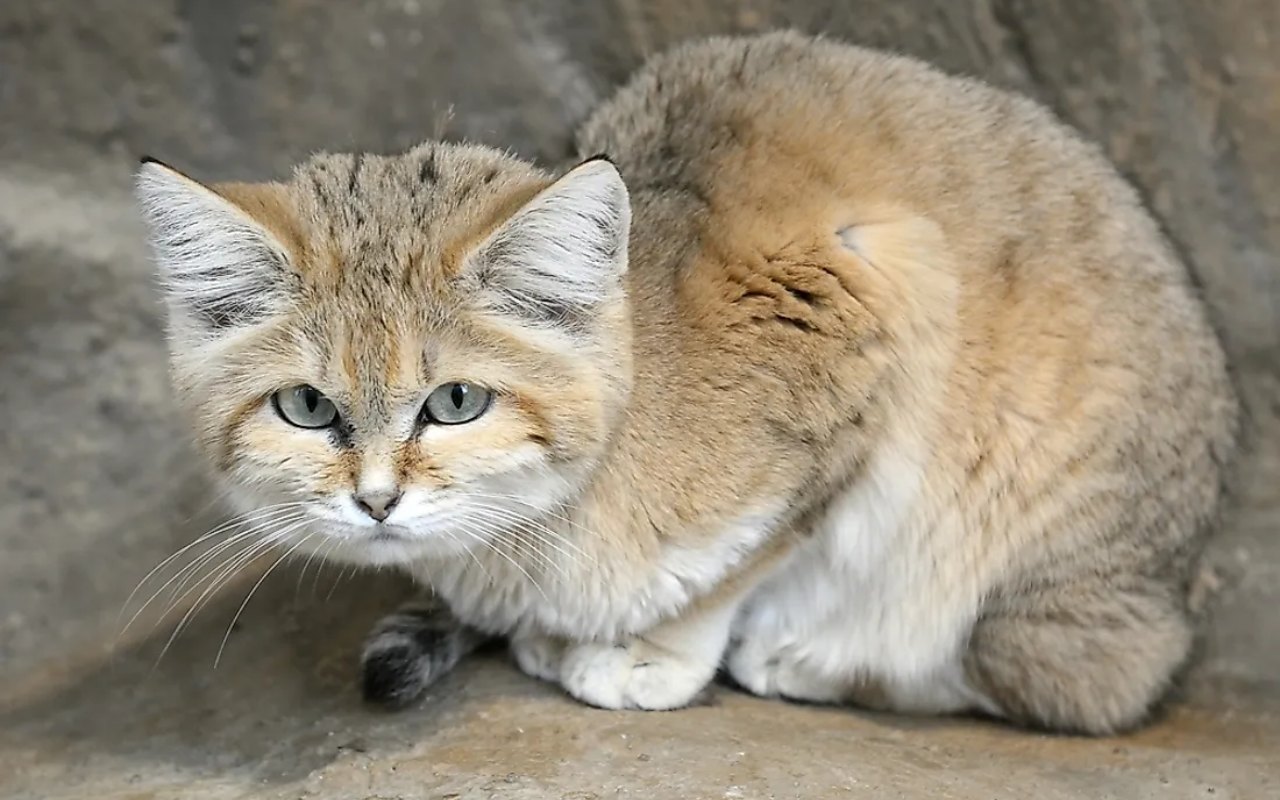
x,y
893,394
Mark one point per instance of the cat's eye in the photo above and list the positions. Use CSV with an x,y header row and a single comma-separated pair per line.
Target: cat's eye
x,y
456,403
305,407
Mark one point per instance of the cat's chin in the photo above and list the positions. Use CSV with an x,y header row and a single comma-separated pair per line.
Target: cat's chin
x,y
386,549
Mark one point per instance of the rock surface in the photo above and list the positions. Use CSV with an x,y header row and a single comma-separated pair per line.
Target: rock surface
x,y
97,484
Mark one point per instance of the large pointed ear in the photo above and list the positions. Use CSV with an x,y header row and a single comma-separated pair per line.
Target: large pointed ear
x,y
219,267
562,256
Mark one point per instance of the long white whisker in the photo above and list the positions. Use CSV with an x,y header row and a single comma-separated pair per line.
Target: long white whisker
x,y
217,529
218,658
506,535
500,530
510,560
337,581
487,576
546,535
270,539
243,559
282,518
538,509
302,572
202,559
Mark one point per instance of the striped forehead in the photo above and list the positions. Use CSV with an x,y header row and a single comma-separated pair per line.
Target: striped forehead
x,y
380,365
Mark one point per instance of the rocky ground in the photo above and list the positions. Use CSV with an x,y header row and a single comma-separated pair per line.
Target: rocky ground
x,y
97,485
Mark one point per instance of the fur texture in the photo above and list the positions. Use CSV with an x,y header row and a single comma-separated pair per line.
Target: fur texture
x,y
868,383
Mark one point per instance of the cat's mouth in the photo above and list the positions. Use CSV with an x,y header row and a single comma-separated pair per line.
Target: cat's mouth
x,y
386,533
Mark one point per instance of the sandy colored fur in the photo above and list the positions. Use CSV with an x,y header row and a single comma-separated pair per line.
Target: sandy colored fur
x,y
906,398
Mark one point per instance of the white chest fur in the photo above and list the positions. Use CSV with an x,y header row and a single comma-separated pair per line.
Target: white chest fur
x,y
601,593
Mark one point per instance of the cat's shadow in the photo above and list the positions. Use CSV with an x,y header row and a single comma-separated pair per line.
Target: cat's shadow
x,y
282,701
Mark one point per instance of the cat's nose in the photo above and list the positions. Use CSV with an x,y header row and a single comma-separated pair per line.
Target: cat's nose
x,y
378,504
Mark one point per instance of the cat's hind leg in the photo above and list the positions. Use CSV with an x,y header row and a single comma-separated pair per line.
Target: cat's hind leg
x,y
807,670
412,648
1088,659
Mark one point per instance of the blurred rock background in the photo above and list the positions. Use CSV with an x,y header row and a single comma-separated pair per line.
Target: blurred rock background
x,y
97,484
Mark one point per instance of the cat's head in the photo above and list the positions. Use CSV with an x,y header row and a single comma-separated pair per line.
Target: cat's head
x,y
397,356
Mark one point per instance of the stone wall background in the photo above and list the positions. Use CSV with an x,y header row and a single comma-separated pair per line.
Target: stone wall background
x,y
96,484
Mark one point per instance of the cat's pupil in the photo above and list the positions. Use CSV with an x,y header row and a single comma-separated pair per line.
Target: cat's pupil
x,y
458,395
312,399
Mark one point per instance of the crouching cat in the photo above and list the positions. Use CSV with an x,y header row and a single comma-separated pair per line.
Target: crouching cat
x,y
861,382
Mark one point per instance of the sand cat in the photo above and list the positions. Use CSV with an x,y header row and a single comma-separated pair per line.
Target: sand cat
x,y
859,382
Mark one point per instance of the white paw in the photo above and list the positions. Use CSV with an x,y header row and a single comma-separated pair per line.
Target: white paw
x,y
776,672
632,675
538,656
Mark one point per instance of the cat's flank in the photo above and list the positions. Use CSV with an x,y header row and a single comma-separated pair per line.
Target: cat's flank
x,y
866,383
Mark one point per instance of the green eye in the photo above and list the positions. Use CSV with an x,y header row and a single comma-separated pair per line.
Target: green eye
x,y
456,403
305,407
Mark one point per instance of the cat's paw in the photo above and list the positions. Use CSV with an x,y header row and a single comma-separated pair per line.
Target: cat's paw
x,y
538,656
633,675
774,671
411,649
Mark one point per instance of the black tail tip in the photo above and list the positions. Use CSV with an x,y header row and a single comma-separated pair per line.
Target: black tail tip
x,y
392,679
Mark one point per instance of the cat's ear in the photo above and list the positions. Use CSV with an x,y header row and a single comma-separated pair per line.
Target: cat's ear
x,y
219,267
564,253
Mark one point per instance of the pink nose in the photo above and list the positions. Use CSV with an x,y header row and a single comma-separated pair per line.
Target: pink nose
x,y
378,505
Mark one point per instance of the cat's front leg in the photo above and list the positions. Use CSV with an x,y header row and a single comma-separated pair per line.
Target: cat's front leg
x,y
411,649
667,667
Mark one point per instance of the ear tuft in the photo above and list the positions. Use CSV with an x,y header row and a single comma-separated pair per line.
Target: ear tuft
x,y
564,253
219,268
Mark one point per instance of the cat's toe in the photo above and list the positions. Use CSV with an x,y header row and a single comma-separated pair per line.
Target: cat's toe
x,y
776,672
538,656
749,667
635,675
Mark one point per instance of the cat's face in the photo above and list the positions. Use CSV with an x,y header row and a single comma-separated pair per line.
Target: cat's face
x,y
390,359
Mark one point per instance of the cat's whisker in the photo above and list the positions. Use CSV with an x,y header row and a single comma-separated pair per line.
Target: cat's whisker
x,y
236,564
255,523
499,530
326,549
531,518
234,619
297,589
484,541
505,534
212,580
204,558
341,575
213,532
256,549
191,569
543,533
280,534
538,510
347,572
487,576
196,563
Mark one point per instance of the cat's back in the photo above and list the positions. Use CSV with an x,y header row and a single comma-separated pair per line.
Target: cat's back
x,y
742,145
745,156
740,127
